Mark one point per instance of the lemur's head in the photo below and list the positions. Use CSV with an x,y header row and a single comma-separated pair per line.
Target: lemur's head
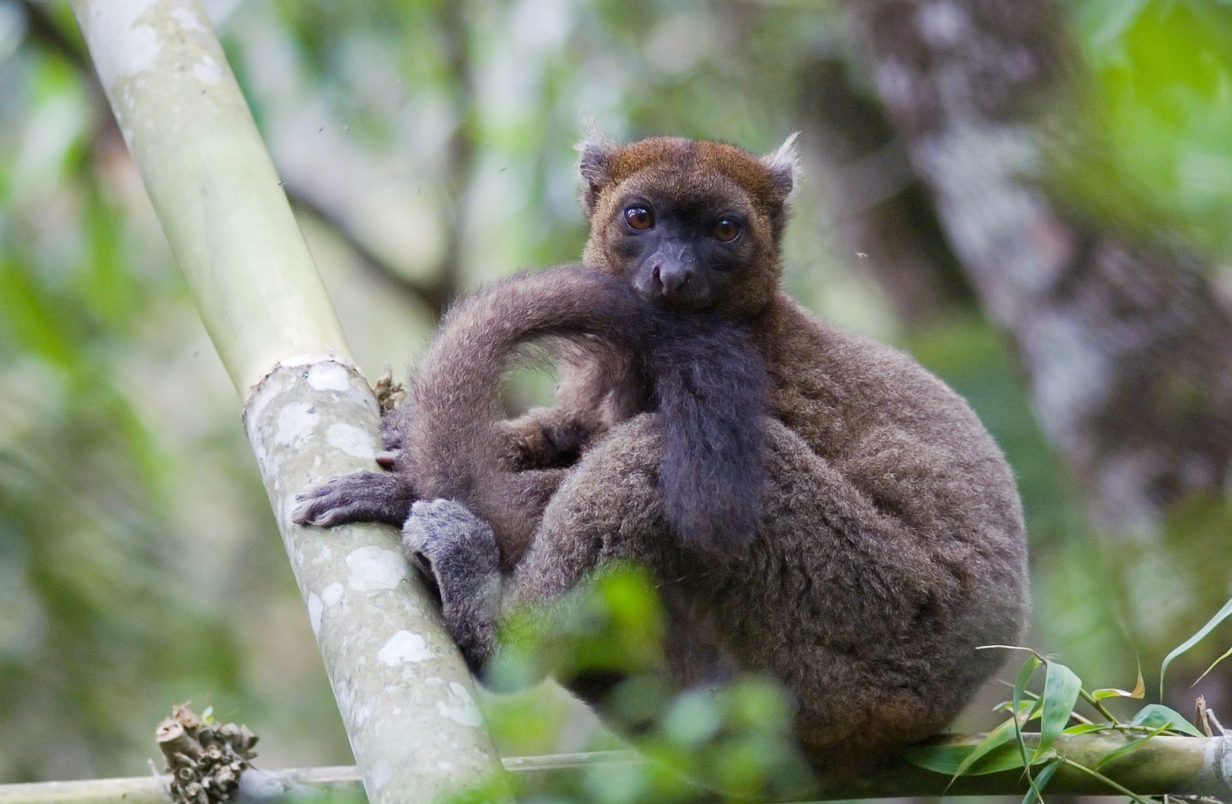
x,y
691,225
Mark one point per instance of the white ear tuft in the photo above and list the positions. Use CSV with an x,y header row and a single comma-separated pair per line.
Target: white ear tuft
x,y
593,137
784,166
596,150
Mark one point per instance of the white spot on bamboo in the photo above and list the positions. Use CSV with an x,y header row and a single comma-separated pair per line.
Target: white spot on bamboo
x,y
329,377
116,21
315,608
332,594
207,71
375,568
186,19
379,774
403,647
352,440
459,706
295,422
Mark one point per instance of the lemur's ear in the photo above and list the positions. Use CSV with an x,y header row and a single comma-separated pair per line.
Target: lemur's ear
x,y
784,166
595,164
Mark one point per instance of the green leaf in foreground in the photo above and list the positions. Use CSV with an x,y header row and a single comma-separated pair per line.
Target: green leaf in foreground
x,y
1137,693
1061,688
1212,667
1086,728
1020,690
1129,746
1161,718
1219,617
993,755
1041,779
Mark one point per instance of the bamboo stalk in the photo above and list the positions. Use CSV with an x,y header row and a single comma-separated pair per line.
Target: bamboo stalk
x,y
1163,764
405,695
211,182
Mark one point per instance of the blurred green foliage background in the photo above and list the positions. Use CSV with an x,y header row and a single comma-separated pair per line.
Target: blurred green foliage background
x,y
427,146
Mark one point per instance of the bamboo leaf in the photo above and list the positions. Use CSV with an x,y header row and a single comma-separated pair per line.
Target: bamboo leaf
x,y
1116,752
992,755
1219,617
1112,692
1041,779
1137,693
1020,648
1061,688
1160,717
1085,728
1212,667
996,738
1125,791
1020,687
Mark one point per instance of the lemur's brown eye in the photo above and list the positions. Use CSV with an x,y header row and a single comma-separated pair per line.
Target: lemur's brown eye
x,y
639,218
726,230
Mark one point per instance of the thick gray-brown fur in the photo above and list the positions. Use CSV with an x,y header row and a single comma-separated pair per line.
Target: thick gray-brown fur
x,y
625,357
890,542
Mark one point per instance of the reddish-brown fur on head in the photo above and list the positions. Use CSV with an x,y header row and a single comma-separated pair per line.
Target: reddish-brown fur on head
x,y
692,175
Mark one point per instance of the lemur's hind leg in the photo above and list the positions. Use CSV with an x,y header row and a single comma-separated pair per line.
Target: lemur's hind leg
x,y
460,550
608,508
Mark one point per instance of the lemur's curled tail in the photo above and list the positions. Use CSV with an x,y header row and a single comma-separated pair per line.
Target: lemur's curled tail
x,y
703,374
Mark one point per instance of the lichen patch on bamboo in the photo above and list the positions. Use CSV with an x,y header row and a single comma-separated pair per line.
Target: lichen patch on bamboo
x,y
186,19
332,594
329,376
207,71
375,568
317,604
380,773
115,21
402,648
315,609
352,440
295,423
459,706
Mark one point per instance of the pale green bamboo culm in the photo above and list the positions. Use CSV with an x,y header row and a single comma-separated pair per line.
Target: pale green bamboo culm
x,y
405,695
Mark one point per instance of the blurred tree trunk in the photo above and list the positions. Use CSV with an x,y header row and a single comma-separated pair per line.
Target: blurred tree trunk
x,y
885,222
1126,344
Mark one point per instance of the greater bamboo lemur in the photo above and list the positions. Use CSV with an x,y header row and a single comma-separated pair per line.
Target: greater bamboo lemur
x,y
842,522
